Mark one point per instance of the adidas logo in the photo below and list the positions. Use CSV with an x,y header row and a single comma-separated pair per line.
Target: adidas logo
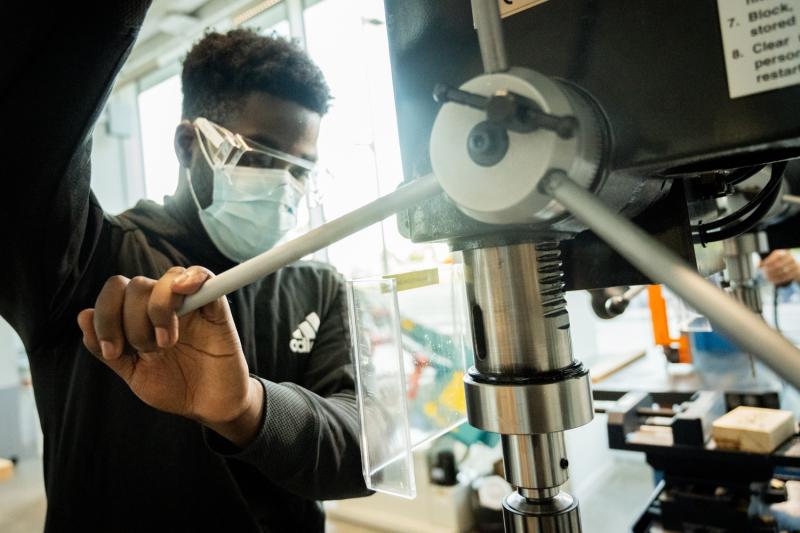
x,y
303,337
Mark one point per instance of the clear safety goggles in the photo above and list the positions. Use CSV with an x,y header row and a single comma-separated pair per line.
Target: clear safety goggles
x,y
223,148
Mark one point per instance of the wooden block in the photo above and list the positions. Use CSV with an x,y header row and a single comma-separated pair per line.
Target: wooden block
x,y
753,429
6,469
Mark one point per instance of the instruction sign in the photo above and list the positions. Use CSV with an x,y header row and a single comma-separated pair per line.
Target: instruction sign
x,y
761,40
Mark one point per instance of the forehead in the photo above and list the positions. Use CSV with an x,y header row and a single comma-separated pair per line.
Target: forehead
x,y
277,123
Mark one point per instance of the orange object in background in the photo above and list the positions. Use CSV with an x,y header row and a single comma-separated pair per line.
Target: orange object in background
x,y
677,350
6,469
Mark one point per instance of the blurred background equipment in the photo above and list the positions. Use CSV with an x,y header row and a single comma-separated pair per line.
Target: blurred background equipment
x,y
506,128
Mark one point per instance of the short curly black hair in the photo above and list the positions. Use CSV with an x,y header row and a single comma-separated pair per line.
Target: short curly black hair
x,y
222,68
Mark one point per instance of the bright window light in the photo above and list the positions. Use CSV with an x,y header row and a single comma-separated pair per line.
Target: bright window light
x,y
159,114
359,141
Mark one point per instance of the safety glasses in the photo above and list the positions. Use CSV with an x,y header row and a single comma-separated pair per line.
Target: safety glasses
x,y
223,148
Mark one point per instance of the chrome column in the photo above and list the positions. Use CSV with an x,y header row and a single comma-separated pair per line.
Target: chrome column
x,y
525,384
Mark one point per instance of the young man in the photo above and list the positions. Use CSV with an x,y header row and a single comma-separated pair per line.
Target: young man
x,y
242,414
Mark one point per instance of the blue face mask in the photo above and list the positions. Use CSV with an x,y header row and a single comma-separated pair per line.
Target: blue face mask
x,y
251,211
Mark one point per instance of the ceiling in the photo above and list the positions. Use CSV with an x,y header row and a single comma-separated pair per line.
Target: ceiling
x,y
172,25
170,17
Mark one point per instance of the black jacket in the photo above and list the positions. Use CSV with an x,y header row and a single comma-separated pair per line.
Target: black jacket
x,y
111,462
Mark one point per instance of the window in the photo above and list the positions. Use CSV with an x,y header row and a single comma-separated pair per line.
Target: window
x,y
159,114
281,29
359,141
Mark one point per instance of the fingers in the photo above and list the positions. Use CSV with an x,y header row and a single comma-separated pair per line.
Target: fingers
x,y
775,279
120,365
107,318
215,312
771,273
161,307
782,262
780,268
140,313
190,281
138,328
86,323
149,316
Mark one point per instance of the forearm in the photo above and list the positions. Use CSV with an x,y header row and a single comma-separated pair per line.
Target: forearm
x,y
306,444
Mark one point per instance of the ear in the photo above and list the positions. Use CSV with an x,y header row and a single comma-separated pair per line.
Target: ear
x,y
185,143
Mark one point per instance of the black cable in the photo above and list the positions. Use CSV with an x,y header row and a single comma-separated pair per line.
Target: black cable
x,y
737,228
746,224
775,307
774,181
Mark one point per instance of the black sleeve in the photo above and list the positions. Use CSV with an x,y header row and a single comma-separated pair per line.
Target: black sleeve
x,y
308,443
58,65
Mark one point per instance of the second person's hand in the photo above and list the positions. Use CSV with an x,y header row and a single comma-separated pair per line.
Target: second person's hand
x,y
780,268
